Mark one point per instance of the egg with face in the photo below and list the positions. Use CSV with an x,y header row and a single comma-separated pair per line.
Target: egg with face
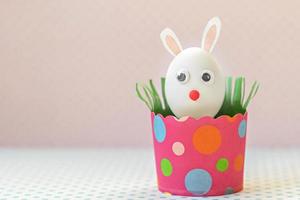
x,y
195,83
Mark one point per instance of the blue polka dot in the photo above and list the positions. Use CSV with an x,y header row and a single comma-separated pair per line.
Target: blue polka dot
x,y
159,129
242,128
229,190
198,181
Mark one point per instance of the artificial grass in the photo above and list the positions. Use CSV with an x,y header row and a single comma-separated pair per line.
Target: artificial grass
x,y
152,98
234,101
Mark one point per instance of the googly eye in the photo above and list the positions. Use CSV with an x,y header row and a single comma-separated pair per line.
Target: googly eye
x,y
183,76
208,77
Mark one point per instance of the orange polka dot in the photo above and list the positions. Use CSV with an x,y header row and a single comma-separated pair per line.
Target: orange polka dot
x,y
239,162
207,139
168,193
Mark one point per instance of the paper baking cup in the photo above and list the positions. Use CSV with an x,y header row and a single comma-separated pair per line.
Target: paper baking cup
x,y
199,157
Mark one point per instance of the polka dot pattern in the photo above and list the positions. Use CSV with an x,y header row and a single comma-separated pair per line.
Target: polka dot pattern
x,y
229,190
166,167
242,128
239,162
119,174
198,181
207,139
159,129
168,193
178,148
200,157
222,165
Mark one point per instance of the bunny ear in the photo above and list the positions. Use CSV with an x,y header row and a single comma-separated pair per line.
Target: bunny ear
x,y
211,34
170,41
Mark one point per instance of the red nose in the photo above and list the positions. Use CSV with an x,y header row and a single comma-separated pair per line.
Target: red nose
x,y
194,95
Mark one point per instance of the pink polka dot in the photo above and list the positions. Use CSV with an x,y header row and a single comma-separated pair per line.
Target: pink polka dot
x,y
178,148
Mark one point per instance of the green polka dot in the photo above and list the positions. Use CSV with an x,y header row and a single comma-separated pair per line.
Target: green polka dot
x,y
222,165
166,167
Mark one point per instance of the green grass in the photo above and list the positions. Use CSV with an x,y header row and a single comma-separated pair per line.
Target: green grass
x,y
234,101
152,99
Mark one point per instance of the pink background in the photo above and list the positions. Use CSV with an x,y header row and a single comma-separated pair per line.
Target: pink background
x,y
68,68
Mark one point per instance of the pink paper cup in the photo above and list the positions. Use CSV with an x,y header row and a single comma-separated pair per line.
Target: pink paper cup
x,y
199,157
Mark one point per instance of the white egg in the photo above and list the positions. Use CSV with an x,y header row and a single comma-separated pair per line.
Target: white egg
x,y
195,84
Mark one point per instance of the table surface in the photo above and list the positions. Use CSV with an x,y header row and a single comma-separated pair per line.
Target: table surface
x,y
130,174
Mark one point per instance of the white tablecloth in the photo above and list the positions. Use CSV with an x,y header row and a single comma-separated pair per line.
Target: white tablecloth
x,y
129,174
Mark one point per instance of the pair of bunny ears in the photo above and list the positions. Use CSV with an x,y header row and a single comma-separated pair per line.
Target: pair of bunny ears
x,y
209,39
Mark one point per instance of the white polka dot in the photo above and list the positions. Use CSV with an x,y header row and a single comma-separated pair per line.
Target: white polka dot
x,y
178,148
